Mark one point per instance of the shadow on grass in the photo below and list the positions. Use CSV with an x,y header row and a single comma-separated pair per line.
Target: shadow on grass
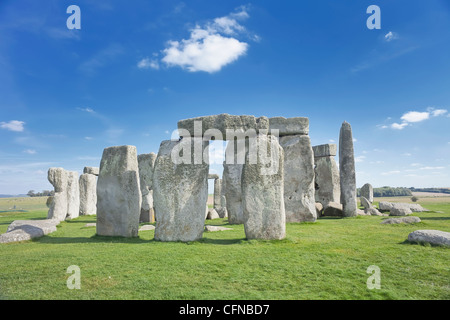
x,y
92,239
434,218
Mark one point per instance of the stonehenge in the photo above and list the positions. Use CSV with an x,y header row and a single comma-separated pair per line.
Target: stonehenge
x,y
272,175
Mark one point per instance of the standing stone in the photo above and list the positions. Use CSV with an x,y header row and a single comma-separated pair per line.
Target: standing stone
x,y
367,192
263,192
347,171
58,207
180,191
327,185
299,199
217,192
232,173
118,193
146,164
91,170
73,195
88,194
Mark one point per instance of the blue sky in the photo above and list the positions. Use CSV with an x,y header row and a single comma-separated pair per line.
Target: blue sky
x,y
135,68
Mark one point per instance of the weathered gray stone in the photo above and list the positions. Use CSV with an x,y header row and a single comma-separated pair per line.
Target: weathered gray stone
x,y
365,203
414,207
326,180
213,176
231,177
400,211
212,214
325,150
222,212
289,126
221,123
23,230
435,237
91,170
319,208
215,228
373,212
73,195
118,193
58,207
146,163
299,200
217,193
367,192
263,192
88,194
180,193
347,170
333,209
407,220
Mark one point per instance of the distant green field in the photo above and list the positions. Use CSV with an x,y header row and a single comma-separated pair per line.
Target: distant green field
x,y
327,259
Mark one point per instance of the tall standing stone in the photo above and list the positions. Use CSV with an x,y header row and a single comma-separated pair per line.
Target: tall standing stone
x,y
118,193
146,165
327,185
73,195
180,191
88,194
217,192
299,199
263,192
347,171
367,192
232,173
58,207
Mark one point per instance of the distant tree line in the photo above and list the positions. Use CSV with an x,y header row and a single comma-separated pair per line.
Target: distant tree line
x,y
389,192
434,190
44,193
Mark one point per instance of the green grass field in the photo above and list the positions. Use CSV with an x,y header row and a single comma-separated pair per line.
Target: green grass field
x,y
327,259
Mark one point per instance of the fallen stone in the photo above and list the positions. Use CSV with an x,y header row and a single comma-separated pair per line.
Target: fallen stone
x,y
23,230
91,224
414,207
212,214
147,227
289,126
435,237
333,209
299,198
373,212
263,192
410,219
365,203
180,193
118,193
398,211
215,228
347,171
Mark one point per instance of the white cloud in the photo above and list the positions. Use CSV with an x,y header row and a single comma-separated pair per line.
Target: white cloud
x,y
88,138
211,47
438,112
432,168
29,151
388,173
13,125
407,154
390,36
360,158
415,116
89,110
399,126
147,63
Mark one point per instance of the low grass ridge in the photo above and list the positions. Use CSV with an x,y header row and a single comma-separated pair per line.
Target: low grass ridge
x,y
327,259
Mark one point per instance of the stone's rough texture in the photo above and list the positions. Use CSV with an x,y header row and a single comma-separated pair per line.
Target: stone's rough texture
x,y
325,150
373,212
22,230
347,171
73,195
231,178
215,228
58,207
299,200
414,207
217,192
319,208
410,219
91,170
399,211
180,192
333,209
222,122
263,193
146,163
212,214
289,126
88,194
367,192
365,202
327,185
435,237
118,193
